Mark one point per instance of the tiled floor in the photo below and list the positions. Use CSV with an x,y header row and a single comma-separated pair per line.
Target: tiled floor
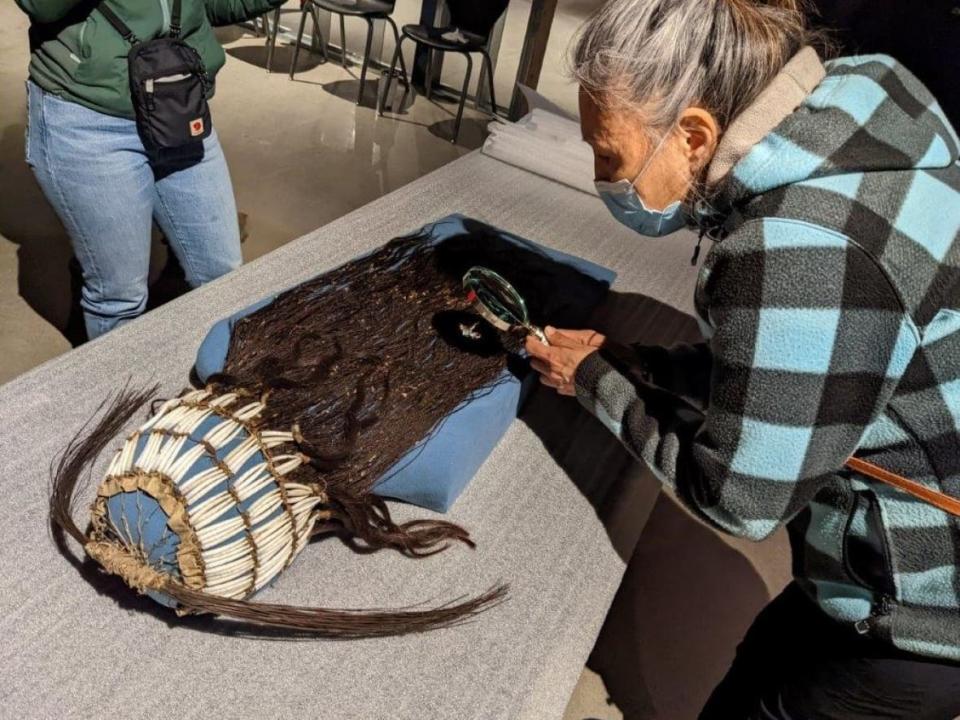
x,y
301,154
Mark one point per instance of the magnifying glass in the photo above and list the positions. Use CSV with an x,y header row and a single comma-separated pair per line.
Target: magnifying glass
x,y
498,302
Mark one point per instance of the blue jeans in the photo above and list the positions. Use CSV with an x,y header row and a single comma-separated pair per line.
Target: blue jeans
x,y
96,174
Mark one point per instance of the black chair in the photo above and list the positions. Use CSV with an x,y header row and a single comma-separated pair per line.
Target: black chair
x,y
271,33
369,10
261,26
471,23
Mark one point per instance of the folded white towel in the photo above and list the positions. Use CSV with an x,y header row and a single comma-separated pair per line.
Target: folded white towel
x,y
545,144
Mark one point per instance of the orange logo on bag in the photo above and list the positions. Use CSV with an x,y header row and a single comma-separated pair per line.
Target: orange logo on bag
x,y
196,127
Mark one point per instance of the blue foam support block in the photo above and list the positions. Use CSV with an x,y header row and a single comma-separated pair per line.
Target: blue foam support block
x,y
436,470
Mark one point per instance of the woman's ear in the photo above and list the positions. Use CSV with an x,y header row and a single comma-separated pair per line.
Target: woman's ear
x,y
701,135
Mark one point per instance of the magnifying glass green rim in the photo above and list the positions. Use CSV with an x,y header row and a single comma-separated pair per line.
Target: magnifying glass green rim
x,y
478,280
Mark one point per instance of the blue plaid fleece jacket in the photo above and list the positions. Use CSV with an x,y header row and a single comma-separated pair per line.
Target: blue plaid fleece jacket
x,y
832,317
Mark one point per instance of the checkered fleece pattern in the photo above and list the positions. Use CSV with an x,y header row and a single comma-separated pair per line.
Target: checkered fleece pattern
x,y
832,312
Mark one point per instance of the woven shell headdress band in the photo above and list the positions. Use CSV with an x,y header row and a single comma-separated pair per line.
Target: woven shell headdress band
x,y
198,510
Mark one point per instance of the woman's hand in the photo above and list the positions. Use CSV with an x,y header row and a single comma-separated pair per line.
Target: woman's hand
x,y
557,363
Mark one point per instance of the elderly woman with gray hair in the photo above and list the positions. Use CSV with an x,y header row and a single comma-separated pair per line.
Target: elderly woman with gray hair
x,y
830,303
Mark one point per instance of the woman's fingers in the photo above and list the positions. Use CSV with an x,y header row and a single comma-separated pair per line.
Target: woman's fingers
x,y
559,339
541,367
595,339
557,374
537,349
564,388
557,363
574,338
550,382
548,370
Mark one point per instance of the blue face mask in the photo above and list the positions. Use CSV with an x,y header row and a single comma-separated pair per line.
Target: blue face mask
x,y
626,205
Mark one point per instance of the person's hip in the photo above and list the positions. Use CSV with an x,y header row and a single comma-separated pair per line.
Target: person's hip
x,y
61,127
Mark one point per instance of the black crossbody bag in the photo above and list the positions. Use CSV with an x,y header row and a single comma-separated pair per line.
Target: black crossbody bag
x,y
169,86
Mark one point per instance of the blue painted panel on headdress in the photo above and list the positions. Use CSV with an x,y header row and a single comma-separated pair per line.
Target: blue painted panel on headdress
x,y
140,521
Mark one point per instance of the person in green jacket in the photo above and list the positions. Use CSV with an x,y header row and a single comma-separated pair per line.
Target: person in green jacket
x,y
83,147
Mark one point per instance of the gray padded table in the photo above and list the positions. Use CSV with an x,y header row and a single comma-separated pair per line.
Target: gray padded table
x,y
555,510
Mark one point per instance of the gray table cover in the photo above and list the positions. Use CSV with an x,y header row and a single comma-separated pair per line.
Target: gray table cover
x,y
554,511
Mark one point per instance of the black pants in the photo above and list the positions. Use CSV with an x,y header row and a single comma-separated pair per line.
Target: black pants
x,y
796,663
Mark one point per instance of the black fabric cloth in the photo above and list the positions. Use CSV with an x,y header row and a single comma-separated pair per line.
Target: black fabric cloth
x,y
924,36
476,17
796,663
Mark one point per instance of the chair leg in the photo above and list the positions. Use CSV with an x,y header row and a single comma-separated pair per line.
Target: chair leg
x,y
406,75
343,42
324,50
382,100
296,47
493,95
463,98
366,59
428,84
272,39
396,38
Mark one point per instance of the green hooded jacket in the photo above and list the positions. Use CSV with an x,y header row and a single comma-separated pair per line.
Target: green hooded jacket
x,y
77,55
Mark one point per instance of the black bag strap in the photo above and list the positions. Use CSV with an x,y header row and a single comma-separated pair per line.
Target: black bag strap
x,y
175,19
127,33
118,24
